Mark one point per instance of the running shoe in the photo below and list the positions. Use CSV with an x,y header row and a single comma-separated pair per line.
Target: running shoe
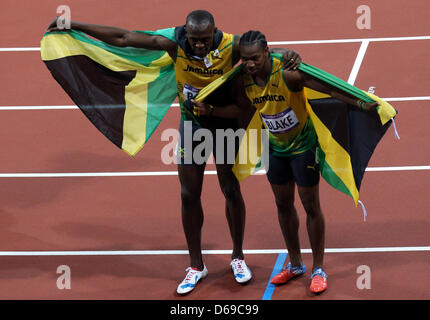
x,y
193,276
319,281
241,271
288,273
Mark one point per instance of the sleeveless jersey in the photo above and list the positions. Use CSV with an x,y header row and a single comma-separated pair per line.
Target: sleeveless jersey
x,y
283,112
193,74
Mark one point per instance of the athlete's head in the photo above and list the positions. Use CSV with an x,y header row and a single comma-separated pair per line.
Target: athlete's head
x,y
200,29
253,51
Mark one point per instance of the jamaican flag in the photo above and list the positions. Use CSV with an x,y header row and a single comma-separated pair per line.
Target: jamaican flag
x,y
347,136
124,92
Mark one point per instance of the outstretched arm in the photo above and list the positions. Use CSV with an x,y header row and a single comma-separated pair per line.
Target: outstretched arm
x,y
121,37
296,80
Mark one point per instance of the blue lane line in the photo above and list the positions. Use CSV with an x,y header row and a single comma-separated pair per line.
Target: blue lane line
x,y
270,288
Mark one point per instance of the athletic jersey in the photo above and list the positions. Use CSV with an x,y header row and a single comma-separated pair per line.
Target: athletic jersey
x,y
282,111
193,73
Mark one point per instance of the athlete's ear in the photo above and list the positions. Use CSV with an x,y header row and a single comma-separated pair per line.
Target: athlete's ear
x,y
266,52
215,30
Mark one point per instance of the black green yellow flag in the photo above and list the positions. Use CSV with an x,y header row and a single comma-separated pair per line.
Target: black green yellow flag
x,y
347,136
124,92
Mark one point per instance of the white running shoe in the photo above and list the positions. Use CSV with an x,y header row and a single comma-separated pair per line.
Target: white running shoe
x,y
193,276
241,271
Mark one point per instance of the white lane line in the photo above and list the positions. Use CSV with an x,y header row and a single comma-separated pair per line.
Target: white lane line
x,y
404,168
19,49
407,98
276,43
174,105
358,61
167,173
185,252
23,108
53,107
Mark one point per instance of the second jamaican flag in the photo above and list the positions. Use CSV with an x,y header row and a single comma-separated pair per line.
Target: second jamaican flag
x,y
347,136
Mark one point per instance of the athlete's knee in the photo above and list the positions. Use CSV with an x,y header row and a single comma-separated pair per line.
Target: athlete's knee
x,y
231,191
285,207
312,207
188,197
310,200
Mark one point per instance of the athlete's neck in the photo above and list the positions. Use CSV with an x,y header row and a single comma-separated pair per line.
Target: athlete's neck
x,y
263,75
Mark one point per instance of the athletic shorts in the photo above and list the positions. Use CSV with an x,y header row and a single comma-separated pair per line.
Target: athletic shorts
x,y
302,168
196,143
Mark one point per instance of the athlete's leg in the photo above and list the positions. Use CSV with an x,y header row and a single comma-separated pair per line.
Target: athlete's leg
x,y
306,173
314,222
191,179
234,207
288,220
282,182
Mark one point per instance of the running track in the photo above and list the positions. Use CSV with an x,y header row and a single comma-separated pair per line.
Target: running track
x,y
69,197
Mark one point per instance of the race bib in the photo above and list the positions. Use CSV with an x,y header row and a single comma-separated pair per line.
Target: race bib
x,y
190,92
281,122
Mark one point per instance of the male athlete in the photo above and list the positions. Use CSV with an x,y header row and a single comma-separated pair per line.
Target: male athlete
x,y
201,54
279,97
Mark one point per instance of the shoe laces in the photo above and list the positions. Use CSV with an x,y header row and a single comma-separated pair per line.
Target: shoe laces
x,y
191,272
319,274
290,269
237,263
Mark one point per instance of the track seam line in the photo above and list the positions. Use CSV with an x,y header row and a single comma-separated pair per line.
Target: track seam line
x,y
185,252
169,173
174,105
274,43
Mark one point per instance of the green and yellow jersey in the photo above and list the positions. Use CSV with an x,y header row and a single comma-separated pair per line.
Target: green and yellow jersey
x,y
193,73
282,111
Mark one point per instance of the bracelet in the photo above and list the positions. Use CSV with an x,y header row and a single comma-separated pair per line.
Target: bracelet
x,y
361,104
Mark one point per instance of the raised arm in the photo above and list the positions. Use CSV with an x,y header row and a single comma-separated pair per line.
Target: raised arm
x,y
121,37
296,80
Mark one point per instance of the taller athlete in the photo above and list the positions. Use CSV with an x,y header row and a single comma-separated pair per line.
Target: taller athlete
x,y
201,54
279,97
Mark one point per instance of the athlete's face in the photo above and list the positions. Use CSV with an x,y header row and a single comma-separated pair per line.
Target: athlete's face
x,y
254,57
200,37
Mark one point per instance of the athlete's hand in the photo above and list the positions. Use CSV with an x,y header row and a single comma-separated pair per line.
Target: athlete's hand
x,y
292,60
370,106
201,108
55,26
367,106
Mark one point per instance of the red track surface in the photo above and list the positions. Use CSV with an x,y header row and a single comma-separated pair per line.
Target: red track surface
x,y
143,213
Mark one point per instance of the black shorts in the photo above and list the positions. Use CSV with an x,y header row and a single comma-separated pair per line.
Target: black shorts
x,y
196,143
303,168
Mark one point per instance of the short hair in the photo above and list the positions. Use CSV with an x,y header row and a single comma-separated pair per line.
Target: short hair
x,y
200,17
252,37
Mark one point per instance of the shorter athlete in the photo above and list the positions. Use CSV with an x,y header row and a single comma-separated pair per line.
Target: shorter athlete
x,y
279,97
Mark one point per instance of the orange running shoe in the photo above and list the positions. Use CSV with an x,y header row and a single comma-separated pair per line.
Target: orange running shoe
x,y
319,281
288,273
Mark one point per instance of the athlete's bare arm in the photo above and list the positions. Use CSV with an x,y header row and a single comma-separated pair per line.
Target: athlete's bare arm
x,y
296,80
122,37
